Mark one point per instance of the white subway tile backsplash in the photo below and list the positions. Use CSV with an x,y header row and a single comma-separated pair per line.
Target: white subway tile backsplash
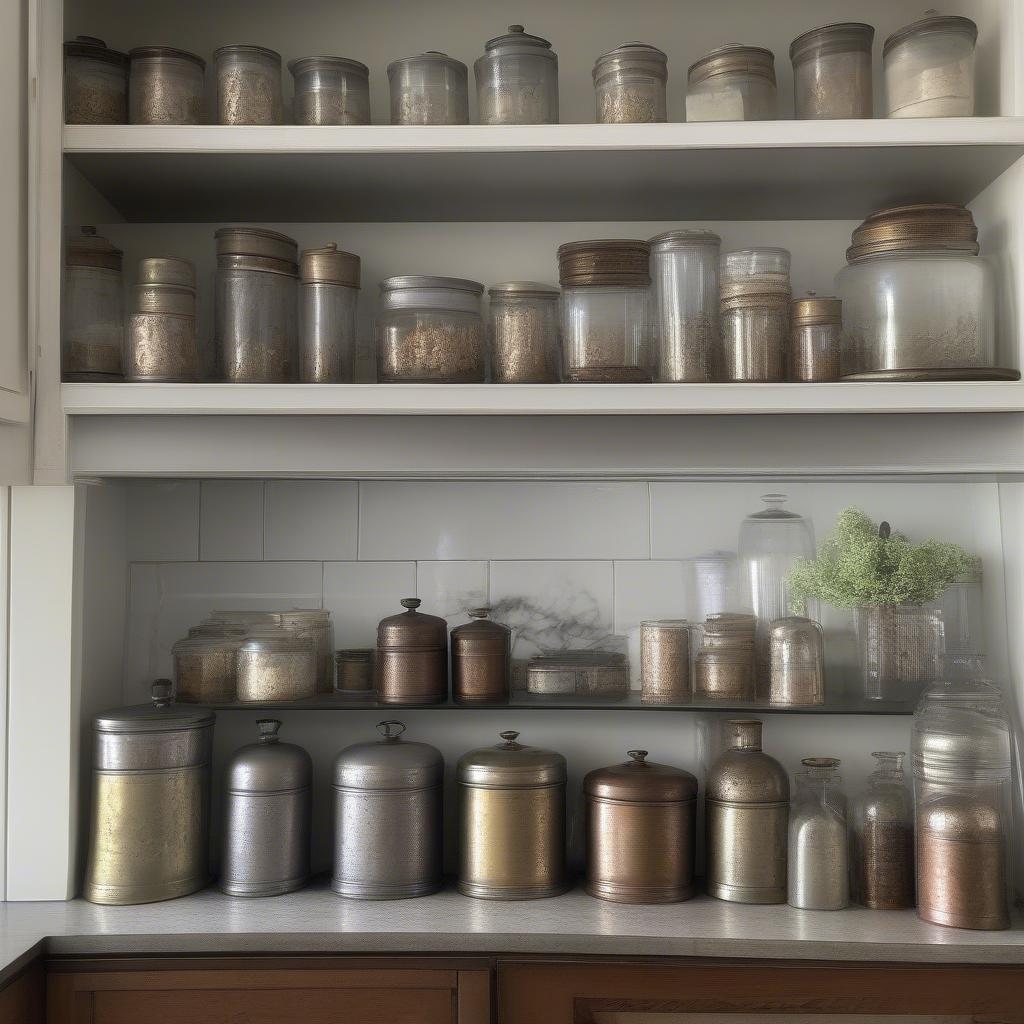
x,y
649,590
311,519
360,594
450,589
231,520
163,520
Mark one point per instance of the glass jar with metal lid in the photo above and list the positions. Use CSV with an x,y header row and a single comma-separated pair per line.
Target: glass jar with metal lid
x,y
330,90
815,329
929,68
523,333
724,670
95,83
328,293
248,85
641,831
429,331
818,876
92,313
629,83
205,666
149,834
732,83
315,623
755,297
429,88
832,72
481,653
517,80
267,816
167,86
511,821
388,821
275,664
412,657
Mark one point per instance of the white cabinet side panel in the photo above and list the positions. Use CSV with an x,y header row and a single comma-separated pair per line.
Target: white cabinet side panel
x,y
5,537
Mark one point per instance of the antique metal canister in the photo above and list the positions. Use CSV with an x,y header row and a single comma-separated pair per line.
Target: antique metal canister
x,y
412,657
268,816
511,822
815,326
328,292
354,672
166,86
481,660
665,661
641,829
388,818
747,812
149,833
95,82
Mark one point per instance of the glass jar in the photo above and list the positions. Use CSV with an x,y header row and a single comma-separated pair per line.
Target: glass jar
x,y
248,85
523,333
929,68
95,83
315,624
429,88
882,838
755,296
429,331
330,90
796,655
92,314
204,667
517,80
328,293
714,583
816,324
275,664
354,668
963,617
900,649
629,84
818,871
732,83
832,72
587,674
167,86
725,675
684,303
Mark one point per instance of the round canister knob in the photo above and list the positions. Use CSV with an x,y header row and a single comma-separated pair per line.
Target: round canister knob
x,y
510,736
637,755
267,729
161,693
391,730
412,603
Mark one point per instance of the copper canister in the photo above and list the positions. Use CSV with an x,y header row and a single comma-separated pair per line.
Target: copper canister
x,y
511,822
641,826
481,652
412,657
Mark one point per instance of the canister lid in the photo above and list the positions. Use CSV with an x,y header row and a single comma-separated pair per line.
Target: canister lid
x,y
87,249
735,58
165,52
480,629
198,642
917,227
301,65
425,281
431,57
605,261
240,240
259,264
792,626
841,37
412,629
518,40
276,640
816,310
247,50
685,238
523,290
167,270
641,781
161,715
390,763
634,57
90,46
938,23
331,265
246,617
511,765
268,765
354,656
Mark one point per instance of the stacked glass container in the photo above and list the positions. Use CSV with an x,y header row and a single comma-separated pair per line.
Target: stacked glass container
x,y
755,297
523,333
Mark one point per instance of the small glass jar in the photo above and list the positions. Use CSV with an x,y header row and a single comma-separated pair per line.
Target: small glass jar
x,y
796,658
517,80
328,293
275,664
95,83
167,86
755,297
248,85
713,582
523,333
732,83
832,72
629,83
815,328
585,674
929,68
330,90
900,648
818,871
354,672
963,615
92,320
429,88
429,331
205,667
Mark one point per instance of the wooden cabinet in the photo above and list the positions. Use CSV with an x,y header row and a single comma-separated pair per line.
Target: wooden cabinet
x,y
22,999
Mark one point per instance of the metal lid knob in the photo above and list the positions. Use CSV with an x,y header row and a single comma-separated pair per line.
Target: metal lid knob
x,y
412,603
637,755
479,613
391,730
161,693
268,729
516,28
510,736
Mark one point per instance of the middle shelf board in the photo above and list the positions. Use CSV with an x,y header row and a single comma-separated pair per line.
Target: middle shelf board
x,y
769,170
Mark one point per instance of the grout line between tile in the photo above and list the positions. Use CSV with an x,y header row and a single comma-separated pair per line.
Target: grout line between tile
x,y
263,524
650,523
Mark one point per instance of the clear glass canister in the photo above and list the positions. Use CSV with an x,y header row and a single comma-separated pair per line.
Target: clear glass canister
x,y
204,667
755,296
275,664
315,624
429,331
818,871
684,303
929,68
900,649
167,86
963,616
523,333
248,85
330,90
815,329
732,83
328,293
629,83
832,72
517,80
95,83
92,315
796,657
429,88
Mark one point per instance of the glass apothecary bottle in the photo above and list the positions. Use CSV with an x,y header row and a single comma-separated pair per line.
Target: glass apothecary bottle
x,y
629,84
517,80
330,90
429,88
523,333
832,72
732,83
755,297
92,315
818,871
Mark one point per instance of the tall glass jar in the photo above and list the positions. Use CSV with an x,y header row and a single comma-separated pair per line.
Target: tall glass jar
x,y
523,333
429,88
92,314
248,85
330,90
517,80
328,293
929,68
818,872
900,649
755,298
963,618
95,83
832,72
629,83
732,83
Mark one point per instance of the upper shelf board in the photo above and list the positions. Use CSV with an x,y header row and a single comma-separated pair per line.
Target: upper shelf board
x,y
792,170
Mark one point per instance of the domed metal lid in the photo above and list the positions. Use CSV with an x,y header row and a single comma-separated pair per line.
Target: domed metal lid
x,y
390,763
735,58
268,765
87,249
684,238
641,781
166,52
430,57
412,630
511,765
90,46
744,773
161,715
330,264
481,628
518,40
842,37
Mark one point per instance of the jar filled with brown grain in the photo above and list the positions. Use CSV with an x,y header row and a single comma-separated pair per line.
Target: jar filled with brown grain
x,y
523,333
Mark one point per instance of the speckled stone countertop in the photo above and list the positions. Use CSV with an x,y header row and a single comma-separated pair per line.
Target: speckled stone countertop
x,y
316,921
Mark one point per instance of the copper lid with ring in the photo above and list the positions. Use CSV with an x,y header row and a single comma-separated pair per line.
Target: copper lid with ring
x,y
816,310
736,58
330,265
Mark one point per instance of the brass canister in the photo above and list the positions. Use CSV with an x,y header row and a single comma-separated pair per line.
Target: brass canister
x,y
641,829
511,822
149,832
747,812
412,657
665,661
481,652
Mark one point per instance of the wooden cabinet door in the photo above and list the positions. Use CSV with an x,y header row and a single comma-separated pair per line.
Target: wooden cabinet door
x,y
21,1000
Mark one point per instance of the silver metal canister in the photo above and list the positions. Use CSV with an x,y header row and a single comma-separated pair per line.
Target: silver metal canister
x,y
267,816
328,290
166,86
95,82
429,88
149,832
387,818
248,85
330,90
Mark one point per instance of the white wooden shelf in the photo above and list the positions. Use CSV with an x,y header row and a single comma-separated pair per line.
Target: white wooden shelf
x,y
793,170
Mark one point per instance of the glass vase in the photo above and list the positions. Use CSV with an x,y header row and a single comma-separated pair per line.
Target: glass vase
x,y
900,648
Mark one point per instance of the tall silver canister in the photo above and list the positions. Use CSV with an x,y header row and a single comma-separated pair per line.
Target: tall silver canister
x,y
267,816
388,818
149,834
328,290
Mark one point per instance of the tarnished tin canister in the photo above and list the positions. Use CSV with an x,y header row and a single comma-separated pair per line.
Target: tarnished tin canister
x,y
747,812
95,82
665,661
511,822
641,830
149,831
387,818
328,290
248,85
412,657
161,347
267,816
480,660
166,86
